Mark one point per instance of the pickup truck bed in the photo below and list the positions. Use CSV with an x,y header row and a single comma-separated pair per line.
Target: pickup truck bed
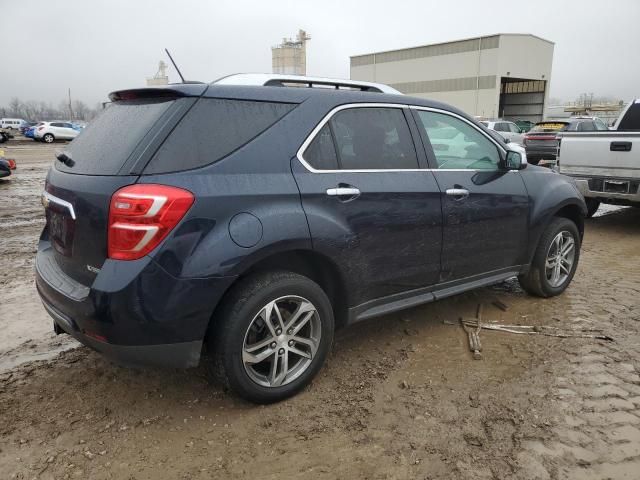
x,y
605,164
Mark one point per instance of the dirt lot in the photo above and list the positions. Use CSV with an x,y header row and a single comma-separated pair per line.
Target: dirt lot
x,y
399,398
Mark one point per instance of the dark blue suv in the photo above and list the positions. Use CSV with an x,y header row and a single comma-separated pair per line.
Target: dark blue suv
x,y
255,220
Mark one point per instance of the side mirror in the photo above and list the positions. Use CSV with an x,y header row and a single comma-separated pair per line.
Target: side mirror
x,y
514,161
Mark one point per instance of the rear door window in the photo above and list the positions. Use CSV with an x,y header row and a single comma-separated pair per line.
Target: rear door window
x,y
321,152
373,138
213,129
105,145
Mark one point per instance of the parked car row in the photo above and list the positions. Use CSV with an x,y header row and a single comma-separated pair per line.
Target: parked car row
x,y
541,140
47,132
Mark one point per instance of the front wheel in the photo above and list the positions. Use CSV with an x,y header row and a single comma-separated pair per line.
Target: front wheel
x,y
271,336
555,260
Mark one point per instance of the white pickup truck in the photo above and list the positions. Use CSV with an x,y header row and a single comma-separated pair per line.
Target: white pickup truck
x,y
605,164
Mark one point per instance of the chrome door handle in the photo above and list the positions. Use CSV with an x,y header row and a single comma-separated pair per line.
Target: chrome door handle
x,y
343,191
457,192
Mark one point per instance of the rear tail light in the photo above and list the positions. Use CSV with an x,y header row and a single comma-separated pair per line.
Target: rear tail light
x,y
40,128
140,216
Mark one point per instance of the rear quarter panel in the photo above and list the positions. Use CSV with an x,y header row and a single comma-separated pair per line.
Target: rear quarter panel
x,y
251,192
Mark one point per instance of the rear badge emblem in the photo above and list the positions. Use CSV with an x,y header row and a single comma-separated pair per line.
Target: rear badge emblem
x,y
93,269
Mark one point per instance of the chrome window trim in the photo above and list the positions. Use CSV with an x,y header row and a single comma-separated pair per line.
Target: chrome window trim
x,y
47,197
332,112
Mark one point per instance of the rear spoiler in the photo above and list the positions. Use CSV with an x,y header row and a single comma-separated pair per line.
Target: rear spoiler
x,y
191,89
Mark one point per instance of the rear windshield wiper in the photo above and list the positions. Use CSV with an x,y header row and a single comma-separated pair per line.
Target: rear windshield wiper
x,y
66,159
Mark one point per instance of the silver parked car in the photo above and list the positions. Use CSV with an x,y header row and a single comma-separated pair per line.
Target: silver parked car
x,y
49,132
509,130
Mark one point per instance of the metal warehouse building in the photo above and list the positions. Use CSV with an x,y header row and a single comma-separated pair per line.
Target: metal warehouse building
x,y
502,75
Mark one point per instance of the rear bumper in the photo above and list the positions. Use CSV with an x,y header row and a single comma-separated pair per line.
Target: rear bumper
x,y
134,314
632,197
177,355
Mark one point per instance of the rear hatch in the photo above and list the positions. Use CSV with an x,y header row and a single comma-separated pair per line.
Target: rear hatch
x,y
109,154
543,135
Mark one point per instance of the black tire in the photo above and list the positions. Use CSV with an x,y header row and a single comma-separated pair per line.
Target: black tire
x,y
226,339
48,138
535,281
592,206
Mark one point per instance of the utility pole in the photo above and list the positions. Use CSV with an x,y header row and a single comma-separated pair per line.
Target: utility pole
x,y
70,110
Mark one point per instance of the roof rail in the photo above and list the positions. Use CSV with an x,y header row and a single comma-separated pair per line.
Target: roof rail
x,y
276,80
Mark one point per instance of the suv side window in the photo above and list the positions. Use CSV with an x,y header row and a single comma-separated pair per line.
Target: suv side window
x,y
600,124
587,126
321,152
456,144
501,127
513,128
369,138
213,129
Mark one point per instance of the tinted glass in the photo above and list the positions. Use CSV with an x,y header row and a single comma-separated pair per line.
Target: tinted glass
x,y
373,138
549,126
105,145
213,129
587,126
458,145
600,125
513,128
57,124
321,152
501,127
631,120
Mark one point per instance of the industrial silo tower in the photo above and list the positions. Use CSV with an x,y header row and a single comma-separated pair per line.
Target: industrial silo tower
x,y
290,57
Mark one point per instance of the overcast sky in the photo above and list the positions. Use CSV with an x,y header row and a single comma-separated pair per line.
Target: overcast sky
x,y
98,46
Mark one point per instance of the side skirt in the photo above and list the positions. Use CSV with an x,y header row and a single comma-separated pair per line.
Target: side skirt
x,y
412,298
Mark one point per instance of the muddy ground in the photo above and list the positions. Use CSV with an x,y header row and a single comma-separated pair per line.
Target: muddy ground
x,y
399,398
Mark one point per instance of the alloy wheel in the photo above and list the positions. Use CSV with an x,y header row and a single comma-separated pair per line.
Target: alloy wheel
x,y
281,341
560,258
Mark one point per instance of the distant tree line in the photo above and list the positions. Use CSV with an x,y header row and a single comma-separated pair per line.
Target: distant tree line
x,y
34,110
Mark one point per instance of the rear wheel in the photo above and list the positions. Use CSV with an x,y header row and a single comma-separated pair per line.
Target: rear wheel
x,y
48,138
271,337
592,206
555,261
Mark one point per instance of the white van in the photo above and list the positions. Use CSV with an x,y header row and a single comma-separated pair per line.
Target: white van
x,y
12,123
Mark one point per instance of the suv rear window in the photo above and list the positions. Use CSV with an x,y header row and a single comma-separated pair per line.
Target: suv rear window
x,y
105,145
549,127
213,129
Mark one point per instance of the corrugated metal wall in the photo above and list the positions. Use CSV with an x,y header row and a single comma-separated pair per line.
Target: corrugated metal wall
x,y
427,51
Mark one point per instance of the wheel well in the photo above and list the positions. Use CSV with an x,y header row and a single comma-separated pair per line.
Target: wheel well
x,y
573,213
314,266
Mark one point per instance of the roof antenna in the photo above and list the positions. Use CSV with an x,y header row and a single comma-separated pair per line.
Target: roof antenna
x,y
175,66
